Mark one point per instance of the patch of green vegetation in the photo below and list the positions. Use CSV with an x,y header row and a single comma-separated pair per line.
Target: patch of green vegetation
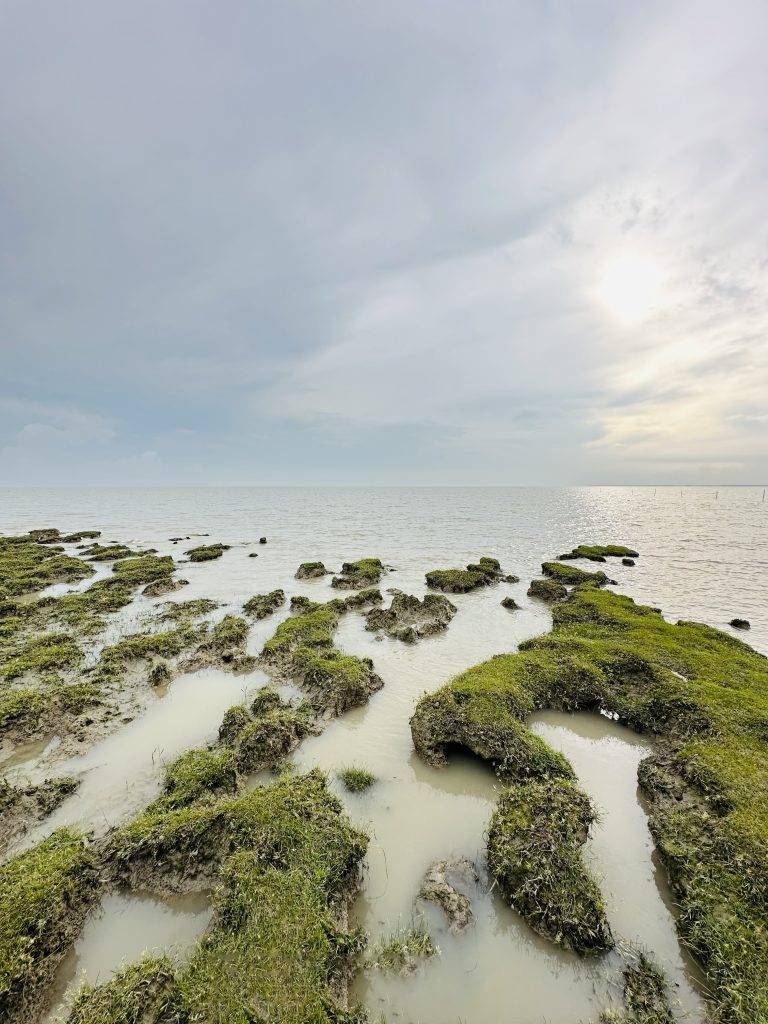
x,y
455,581
41,653
600,552
45,535
145,569
336,681
572,576
83,611
547,590
300,603
356,779
293,822
363,573
44,894
262,605
27,566
21,710
163,585
311,571
144,646
402,951
228,634
180,611
409,619
109,553
196,774
75,698
361,600
314,629
78,535
207,552
269,737
535,841
143,993
461,581
704,693
645,996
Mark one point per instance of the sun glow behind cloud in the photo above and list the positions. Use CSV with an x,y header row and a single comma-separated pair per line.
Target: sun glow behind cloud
x,y
631,287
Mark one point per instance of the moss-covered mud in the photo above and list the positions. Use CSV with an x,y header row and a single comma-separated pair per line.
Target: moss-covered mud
x,y
535,854
285,862
409,619
21,806
461,581
303,651
703,695
45,894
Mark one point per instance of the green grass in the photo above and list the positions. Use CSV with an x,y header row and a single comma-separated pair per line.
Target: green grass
x,y
78,535
645,997
535,845
143,570
108,553
456,581
139,646
547,590
401,951
143,993
310,571
42,653
44,893
228,634
315,629
601,552
27,566
262,605
571,575
196,774
179,611
206,552
363,573
356,779
605,651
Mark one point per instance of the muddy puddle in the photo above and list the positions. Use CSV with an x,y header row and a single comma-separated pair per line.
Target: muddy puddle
x,y
125,926
122,773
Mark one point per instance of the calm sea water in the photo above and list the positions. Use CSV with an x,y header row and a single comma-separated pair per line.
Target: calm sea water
x,y
704,551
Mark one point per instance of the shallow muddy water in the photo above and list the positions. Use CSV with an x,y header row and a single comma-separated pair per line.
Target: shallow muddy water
x,y
120,774
701,558
498,969
121,930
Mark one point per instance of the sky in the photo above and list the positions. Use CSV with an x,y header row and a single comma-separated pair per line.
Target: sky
x,y
413,242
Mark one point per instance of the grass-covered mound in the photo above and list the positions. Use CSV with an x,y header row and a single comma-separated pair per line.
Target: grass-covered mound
x,y
206,552
302,649
260,606
355,779
44,896
410,619
535,845
311,571
146,569
364,573
572,576
704,695
286,861
27,566
461,581
599,552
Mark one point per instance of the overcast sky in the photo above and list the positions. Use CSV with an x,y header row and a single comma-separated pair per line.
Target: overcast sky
x,y
412,241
